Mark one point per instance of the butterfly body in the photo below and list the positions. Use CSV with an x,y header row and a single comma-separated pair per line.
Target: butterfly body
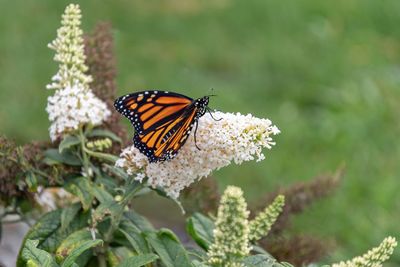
x,y
162,120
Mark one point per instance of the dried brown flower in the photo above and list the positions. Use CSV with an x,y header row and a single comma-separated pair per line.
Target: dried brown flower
x,y
300,196
33,153
9,170
298,250
99,51
14,163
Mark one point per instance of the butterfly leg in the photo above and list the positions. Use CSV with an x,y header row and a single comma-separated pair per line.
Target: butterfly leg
x,y
209,111
195,133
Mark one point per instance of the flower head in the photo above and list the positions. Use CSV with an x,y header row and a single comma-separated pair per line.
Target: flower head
x,y
73,104
231,233
70,51
373,258
71,107
262,223
100,144
235,138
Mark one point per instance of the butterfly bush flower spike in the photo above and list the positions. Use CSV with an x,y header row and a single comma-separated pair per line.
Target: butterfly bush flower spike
x,y
69,52
262,223
235,138
73,103
373,258
231,233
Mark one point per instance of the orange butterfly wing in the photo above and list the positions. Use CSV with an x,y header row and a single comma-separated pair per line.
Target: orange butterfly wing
x,y
162,121
164,142
148,110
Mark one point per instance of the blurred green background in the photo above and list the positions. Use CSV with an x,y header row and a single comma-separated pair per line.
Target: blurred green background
x,y
326,73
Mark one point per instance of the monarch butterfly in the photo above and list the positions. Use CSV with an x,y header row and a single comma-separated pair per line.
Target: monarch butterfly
x,y
162,120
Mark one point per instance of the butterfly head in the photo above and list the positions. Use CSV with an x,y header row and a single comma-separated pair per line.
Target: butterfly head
x,y
201,104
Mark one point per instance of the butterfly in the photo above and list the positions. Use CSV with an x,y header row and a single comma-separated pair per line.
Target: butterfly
x,y
162,121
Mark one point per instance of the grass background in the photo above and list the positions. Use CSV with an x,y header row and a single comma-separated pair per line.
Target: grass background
x,y
325,72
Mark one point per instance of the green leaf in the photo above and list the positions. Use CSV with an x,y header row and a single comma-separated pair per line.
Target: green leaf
x,y
104,133
67,142
286,264
143,191
137,261
115,255
259,260
109,209
107,182
76,252
53,156
36,257
47,231
68,214
43,232
161,192
138,220
135,237
259,250
103,156
200,228
117,171
197,263
196,252
81,187
31,181
169,248
101,194
71,242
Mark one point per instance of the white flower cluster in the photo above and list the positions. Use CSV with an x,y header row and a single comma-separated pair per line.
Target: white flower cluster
x,y
73,103
72,107
231,233
374,257
235,138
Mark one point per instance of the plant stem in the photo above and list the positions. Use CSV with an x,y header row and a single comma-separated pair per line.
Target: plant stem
x,y
83,148
125,201
39,172
105,156
129,196
102,259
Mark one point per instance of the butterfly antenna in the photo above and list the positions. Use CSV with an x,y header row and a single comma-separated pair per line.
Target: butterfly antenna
x,y
209,111
211,90
195,134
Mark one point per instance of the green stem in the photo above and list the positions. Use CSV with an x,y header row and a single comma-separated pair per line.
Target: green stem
x,y
85,159
39,172
83,150
129,196
125,201
100,155
102,259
